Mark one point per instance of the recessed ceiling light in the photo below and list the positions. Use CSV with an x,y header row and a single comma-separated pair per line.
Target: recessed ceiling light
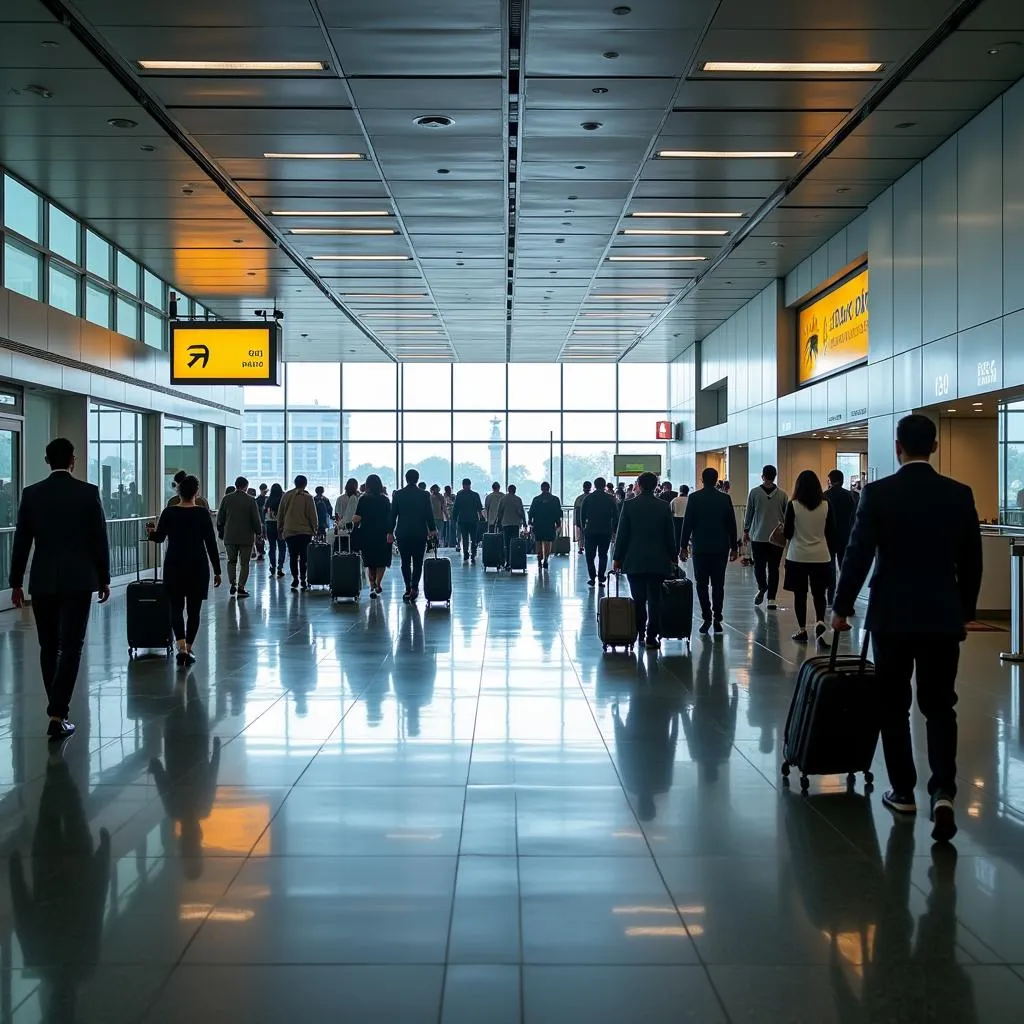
x,y
777,245
636,297
657,259
331,213
951,410
49,44
385,295
378,259
148,149
122,122
396,316
728,154
977,403
608,316
905,124
238,241
580,167
342,231
675,231
599,90
434,121
842,189
315,156
690,213
232,65
610,54
590,126
622,11
443,170
794,67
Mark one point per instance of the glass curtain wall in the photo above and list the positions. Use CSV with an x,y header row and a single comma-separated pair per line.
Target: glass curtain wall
x,y
117,450
518,423
1011,463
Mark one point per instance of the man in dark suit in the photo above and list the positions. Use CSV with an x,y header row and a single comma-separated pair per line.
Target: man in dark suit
x,y
645,546
412,522
63,518
711,522
842,505
921,530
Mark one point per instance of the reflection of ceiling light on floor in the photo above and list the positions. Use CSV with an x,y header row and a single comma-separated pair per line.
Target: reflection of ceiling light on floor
x,y
676,930
207,912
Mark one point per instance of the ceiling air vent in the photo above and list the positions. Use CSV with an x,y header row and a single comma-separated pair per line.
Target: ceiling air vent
x,y
433,121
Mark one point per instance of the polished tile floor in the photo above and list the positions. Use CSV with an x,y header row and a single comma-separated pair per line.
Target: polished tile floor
x,y
379,813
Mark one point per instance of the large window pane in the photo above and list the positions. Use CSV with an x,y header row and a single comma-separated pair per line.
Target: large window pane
x,y
263,463
97,304
427,386
589,385
183,449
481,463
479,386
319,463
23,209
589,426
213,445
369,426
314,426
534,386
427,426
265,397
127,274
359,460
117,460
528,466
433,460
153,292
369,385
127,318
153,329
638,426
314,386
63,289
97,255
259,425
22,270
534,426
585,462
643,386
64,234
479,426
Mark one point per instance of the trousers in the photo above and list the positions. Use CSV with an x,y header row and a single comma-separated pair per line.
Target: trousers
x,y
597,544
277,546
511,532
936,657
186,612
61,623
467,539
645,588
709,572
412,551
767,559
240,553
298,548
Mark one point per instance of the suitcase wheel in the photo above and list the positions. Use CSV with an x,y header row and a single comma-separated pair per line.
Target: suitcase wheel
x,y
785,769
805,783
131,653
869,777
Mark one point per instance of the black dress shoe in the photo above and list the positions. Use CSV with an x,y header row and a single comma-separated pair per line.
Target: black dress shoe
x,y
58,731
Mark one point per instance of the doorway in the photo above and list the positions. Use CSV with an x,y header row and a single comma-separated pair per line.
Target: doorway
x,y
10,489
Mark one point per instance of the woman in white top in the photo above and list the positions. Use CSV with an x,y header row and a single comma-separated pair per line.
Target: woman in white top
x,y
345,509
808,528
678,506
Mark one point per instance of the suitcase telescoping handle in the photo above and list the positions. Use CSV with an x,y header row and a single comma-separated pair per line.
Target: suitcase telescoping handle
x,y
834,652
138,564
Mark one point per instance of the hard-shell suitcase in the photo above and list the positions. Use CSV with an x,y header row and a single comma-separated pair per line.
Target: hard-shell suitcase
x,y
318,565
346,575
676,609
148,614
563,545
493,551
833,723
616,621
517,555
437,580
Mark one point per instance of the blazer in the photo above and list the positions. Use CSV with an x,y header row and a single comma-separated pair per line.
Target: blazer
x,y
412,515
844,507
921,530
711,522
646,538
467,507
238,519
599,514
296,515
63,518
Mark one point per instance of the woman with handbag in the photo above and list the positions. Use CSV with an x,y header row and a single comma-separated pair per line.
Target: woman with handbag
x,y
344,510
808,528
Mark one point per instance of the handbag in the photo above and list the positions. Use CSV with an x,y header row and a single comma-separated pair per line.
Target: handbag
x,y
778,537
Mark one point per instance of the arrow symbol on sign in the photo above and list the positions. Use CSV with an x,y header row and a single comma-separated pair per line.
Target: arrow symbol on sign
x,y
198,353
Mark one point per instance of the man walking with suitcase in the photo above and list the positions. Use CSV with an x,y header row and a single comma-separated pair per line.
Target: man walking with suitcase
x,y
921,531
467,512
238,525
63,518
711,523
298,523
412,522
598,517
843,507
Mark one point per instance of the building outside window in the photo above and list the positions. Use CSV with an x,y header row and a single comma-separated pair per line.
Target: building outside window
x,y
117,464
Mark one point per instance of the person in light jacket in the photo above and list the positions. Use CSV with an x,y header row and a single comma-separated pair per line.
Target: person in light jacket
x,y
766,509
512,519
808,528
298,523
238,524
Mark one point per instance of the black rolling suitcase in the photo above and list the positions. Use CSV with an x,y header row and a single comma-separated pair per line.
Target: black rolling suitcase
x,y
437,580
833,722
318,564
517,555
616,621
346,575
493,551
148,614
676,609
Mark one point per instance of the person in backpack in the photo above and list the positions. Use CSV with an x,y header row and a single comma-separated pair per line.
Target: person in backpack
x,y
512,519
599,518
323,512
238,523
843,506
412,523
766,511
808,528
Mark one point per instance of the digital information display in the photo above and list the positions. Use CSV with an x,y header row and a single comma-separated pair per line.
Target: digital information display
x,y
634,465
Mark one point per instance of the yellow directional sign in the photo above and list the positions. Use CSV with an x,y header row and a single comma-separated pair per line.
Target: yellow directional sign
x,y
225,352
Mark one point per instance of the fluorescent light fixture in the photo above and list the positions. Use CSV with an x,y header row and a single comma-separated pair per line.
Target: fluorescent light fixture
x,y
385,295
604,330
782,67
727,154
656,259
315,156
690,213
411,333
397,316
630,298
378,259
675,231
232,65
331,213
346,231
597,313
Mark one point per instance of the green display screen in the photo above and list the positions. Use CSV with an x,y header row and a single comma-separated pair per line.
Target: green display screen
x,y
634,465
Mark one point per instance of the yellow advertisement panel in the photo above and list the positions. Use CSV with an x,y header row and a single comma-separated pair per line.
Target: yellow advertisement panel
x,y
224,353
833,330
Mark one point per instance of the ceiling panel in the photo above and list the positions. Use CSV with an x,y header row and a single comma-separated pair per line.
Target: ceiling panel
x,y
451,52
403,14
580,53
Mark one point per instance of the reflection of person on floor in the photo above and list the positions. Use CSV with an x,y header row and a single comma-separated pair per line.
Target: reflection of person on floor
x,y
414,669
710,727
188,785
59,924
646,746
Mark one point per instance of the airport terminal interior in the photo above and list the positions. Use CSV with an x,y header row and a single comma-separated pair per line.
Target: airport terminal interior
x,y
519,242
